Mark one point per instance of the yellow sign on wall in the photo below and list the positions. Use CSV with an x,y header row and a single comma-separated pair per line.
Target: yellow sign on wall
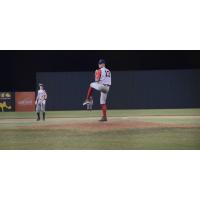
x,y
6,101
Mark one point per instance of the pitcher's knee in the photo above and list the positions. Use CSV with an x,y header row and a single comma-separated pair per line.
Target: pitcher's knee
x,y
92,85
102,102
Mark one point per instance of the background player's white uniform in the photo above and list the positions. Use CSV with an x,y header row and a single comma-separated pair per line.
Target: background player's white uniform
x,y
103,85
89,106
41,101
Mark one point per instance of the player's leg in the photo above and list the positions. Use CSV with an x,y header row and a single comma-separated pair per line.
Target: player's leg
x,y
91,88
103,99
91,104
43,110
96,86
99,87
38,108
89,94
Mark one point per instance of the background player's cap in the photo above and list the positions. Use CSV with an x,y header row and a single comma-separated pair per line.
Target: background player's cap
x,y
102,61
40,84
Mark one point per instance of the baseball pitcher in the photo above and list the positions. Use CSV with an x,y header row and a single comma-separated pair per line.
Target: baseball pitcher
x,y
40,102
102,84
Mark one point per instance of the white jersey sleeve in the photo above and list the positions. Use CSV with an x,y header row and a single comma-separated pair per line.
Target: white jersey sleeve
x,y
105,78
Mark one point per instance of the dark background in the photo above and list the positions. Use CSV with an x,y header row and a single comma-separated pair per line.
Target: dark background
x,y
141,79
18,68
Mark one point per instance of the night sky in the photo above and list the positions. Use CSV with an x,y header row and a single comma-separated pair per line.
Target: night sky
x,y
18,68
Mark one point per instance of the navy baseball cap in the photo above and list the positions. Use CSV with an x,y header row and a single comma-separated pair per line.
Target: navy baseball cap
x,y
102,61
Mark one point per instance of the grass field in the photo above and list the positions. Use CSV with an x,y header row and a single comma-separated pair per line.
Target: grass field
x,y
126,129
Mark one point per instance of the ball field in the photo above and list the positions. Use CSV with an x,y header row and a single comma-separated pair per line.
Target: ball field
x,y
167,129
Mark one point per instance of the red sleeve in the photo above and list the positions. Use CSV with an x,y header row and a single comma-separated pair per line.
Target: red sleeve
x,y
98,74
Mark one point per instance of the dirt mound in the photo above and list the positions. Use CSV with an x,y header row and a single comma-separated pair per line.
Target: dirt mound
x,y
113,124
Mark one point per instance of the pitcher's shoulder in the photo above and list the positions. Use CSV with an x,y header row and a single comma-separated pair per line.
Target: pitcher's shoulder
x,y
107,68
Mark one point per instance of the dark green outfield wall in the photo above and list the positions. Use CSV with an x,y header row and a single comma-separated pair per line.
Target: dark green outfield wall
x,y
130,89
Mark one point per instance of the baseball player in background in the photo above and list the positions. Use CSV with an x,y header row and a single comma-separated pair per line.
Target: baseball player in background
x,y
102,83
89,106
40,102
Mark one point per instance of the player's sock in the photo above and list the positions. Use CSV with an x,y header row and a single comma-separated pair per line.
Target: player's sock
x,y
43,115
90,92
38,116
104,108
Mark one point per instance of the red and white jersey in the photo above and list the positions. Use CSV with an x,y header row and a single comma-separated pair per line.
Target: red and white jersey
x,y
105,76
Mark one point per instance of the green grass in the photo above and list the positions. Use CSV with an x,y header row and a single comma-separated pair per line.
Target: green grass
x,y
168,138
12,136
112,113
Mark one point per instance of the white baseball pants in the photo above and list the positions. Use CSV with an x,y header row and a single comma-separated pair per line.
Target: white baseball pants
x,y
103,89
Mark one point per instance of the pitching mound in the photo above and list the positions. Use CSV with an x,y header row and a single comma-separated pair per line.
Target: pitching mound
x,y
88,124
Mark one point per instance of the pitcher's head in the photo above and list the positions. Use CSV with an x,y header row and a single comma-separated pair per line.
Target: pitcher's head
x,y
101,63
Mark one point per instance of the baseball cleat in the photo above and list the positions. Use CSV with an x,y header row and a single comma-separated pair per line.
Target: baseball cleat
x,y
103,119
86,102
